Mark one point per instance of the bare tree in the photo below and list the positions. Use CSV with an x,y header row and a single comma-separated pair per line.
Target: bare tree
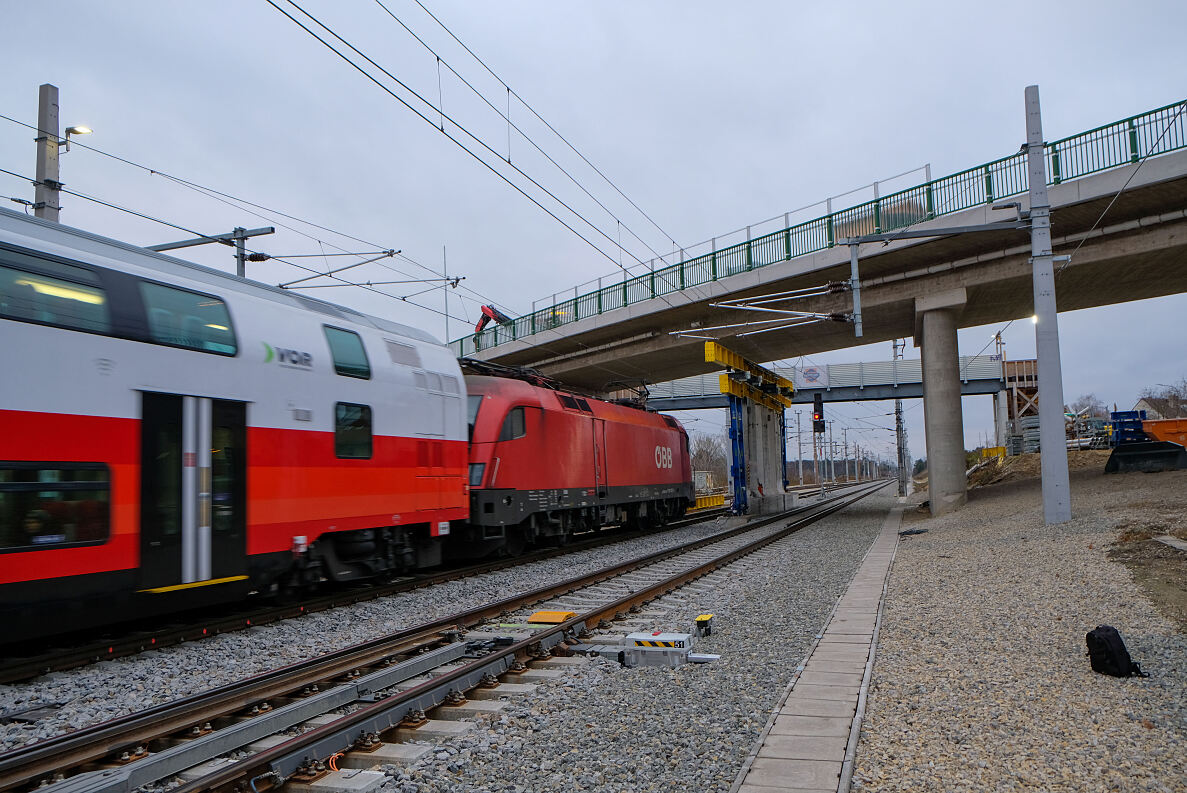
x,y
1175,395
1095,407
708,454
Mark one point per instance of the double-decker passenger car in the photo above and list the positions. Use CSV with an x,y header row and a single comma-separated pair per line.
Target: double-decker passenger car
x,y
171,435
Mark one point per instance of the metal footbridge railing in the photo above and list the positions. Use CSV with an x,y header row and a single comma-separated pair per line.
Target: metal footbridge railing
x,y
1110,146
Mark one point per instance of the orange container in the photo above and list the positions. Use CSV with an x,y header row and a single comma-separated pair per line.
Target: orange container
x,y
1173,430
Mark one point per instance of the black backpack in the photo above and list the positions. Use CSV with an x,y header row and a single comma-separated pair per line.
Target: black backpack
x,y
1107,653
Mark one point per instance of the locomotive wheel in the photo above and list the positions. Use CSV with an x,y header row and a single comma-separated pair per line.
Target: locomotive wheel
x,y
515,543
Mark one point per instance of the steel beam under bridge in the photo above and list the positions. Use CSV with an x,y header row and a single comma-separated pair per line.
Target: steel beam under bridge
x,y
851,382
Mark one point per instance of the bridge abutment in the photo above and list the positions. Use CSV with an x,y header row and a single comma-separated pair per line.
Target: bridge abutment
x,y
935,333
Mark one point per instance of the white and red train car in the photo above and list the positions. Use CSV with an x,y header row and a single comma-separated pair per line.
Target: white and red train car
x,y
172,435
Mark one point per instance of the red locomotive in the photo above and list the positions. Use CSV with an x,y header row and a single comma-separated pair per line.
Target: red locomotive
x,y
545,464
172,436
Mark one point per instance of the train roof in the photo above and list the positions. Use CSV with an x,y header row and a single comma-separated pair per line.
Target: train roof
x,y
38,230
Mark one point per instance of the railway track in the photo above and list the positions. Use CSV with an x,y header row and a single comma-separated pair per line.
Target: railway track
x,y
383,681
16,668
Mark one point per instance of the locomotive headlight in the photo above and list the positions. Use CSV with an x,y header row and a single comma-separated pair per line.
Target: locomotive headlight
x,y
476,472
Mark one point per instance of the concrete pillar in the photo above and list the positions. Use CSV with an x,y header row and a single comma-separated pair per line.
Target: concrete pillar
x,y
943,421
999,418
764,452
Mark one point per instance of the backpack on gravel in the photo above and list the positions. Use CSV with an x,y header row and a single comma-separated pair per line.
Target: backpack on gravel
x,y
1107,653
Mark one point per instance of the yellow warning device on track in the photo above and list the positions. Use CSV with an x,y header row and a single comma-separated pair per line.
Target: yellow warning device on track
x,y
552,617
660,639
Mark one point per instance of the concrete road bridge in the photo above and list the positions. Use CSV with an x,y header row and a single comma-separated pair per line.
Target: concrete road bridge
x,y
1118,207
621,332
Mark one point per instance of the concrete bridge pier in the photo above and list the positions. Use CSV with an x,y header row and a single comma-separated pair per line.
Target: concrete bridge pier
x,y
935,333
764,451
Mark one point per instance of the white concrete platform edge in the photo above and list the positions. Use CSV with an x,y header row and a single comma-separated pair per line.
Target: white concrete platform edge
x,y
895,514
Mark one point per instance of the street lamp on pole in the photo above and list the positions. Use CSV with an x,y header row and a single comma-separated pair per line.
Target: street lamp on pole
x,y
48,187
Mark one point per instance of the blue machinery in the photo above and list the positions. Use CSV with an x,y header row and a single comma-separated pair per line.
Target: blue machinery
x,y
738,455
745,383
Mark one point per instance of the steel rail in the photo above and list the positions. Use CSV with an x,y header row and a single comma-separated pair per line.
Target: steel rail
x,y
17,669
280,762
72,750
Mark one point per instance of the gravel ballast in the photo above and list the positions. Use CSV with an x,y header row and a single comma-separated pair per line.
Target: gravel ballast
x,y
110,689
981,680
607,728
114,688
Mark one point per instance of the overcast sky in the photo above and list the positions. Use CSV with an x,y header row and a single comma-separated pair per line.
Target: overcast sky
x,y
707,119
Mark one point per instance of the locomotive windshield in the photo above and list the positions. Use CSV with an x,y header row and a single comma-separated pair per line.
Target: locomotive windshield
x,y
473,402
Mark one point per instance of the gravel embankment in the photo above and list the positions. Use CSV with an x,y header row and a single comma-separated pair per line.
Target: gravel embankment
x,y
981,681
606,728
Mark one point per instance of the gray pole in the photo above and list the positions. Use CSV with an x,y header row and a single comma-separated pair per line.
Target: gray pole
x,y
1057,506
816,459
46,195
240,251
855,284
832,463
900,440
799,442
845,450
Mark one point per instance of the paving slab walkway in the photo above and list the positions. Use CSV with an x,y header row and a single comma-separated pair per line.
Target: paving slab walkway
x,y
808,745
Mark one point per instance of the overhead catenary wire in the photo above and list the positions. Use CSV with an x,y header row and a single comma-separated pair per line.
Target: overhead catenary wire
x,y
402,298
239,203
481,143
447,117
179,227
506,116
532,110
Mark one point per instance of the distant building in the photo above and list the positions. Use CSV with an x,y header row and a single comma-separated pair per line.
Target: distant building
x,y
1161,408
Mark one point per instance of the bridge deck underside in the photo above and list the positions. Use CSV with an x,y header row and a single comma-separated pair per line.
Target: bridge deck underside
x,y
1138,251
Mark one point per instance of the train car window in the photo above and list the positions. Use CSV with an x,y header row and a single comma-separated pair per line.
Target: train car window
x,y
187,319
53,505
352,431
583,404
568,401
33,297
404,354
346,348
514,425
473,402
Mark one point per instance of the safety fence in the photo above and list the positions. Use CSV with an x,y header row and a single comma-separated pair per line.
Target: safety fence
x,y
1110,146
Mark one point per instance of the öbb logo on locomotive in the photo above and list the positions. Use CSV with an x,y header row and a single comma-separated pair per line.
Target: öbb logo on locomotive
x,y
160,468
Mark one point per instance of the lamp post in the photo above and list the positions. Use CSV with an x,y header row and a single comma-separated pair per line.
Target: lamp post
x,y
47,188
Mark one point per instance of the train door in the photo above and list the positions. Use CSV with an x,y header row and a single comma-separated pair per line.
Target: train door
x,y
599,444
193,494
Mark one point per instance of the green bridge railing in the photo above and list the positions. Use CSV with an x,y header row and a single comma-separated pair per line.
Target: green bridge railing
x,y
1110,146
